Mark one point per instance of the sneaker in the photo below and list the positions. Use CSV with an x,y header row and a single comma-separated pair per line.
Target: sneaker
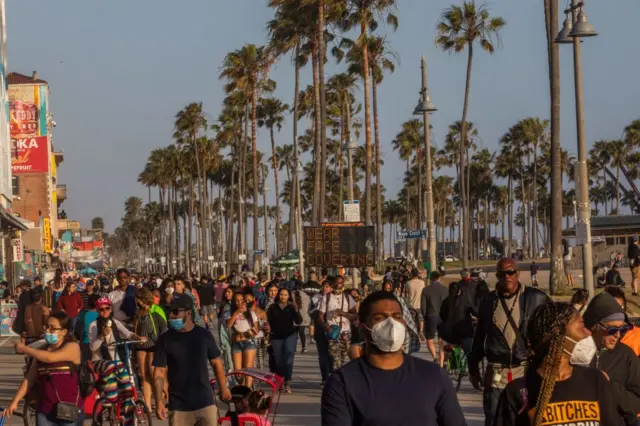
x,y
322,385
304,350
287,388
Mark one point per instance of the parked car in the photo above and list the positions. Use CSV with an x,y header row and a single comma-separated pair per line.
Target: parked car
x,y
450,258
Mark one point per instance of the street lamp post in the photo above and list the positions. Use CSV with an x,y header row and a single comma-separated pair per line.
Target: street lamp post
x,y
425,107
573,30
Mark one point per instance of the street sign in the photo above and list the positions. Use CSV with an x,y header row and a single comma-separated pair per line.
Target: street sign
x,y
408,235
346,246
352,211
582,234
258,252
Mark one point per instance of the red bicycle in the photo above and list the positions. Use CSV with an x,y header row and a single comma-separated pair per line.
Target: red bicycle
x,y
107,413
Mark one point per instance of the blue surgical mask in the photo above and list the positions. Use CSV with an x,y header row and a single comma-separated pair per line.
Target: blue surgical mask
x,y
51,338
176,323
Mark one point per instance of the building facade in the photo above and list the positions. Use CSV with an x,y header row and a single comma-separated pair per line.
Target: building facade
x,y
34,161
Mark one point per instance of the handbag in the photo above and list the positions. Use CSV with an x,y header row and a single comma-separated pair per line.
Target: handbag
x,y
65,411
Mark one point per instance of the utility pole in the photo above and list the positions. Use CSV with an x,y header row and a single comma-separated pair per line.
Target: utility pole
x,y
265,255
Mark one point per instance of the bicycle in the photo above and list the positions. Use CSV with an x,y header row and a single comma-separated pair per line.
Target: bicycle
x,y
107,413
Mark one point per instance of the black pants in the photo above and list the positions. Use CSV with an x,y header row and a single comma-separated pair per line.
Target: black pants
x,y
303,336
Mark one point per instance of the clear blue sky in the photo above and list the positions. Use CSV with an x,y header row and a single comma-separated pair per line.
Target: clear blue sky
x,y
119,70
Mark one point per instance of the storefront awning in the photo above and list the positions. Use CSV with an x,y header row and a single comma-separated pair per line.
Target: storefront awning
x,y
11,222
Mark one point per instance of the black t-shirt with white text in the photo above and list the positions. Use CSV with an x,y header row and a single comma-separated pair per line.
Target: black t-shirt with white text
x,y
584,399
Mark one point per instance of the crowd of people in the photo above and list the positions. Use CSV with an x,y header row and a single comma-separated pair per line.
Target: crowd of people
x,y
537,362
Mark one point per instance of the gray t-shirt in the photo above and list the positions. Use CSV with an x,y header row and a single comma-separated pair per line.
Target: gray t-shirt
x,y
432,298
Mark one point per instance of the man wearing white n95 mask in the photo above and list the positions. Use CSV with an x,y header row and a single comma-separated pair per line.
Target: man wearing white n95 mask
x,y
386,386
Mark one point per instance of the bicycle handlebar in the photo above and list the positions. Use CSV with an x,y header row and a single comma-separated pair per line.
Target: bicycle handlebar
x,y
126,342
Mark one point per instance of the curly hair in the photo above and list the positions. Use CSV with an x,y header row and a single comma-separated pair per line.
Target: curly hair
x,y
546,331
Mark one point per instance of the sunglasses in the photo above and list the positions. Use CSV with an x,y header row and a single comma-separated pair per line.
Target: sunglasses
x,y
104,310
502,274
47,328
177,311
612,331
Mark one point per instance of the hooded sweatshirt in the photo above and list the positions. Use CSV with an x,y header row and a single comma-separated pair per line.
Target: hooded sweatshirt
x,y
621,364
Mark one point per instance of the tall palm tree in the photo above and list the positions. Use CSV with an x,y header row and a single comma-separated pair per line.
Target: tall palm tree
x,y
190,125
271,114
247,70
364,15
380,60
461,27
619,151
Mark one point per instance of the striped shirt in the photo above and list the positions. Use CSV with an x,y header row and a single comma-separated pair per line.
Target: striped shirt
x,y
150,326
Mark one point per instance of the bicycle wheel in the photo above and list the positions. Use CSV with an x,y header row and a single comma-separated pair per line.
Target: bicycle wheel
x,y
29,413
103,415
142,414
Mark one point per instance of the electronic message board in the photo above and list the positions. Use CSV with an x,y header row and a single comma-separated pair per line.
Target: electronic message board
x,y
334,245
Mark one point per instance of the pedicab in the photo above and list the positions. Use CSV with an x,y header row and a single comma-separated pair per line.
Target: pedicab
x,y
273,381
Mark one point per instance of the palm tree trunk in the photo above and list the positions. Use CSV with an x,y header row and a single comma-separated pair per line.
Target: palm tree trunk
x,y
557,280
464,202
343,140
323,112
190,229
510,212
376,128
618,190
408,210
230,214
486,227
170,267
317,152
254,147
293,217
367,119
275,177
502,230
536,249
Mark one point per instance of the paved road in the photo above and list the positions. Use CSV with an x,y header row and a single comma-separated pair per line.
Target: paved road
x,y
302,407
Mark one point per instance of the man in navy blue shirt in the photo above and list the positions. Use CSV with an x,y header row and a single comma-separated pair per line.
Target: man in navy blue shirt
x,y
385,386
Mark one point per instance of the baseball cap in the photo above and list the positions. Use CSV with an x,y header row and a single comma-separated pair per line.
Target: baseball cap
x,y
182,301
102,302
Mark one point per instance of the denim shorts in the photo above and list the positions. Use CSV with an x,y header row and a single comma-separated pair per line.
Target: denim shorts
x,y
244,345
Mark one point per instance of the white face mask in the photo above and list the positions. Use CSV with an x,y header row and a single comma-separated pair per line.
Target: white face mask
x,y
169,290
388,335
158,282
583,351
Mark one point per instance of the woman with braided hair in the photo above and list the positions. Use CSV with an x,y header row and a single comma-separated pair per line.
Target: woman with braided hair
x,y
558,388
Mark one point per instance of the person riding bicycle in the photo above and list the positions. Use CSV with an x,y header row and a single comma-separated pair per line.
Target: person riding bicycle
x,y
106,330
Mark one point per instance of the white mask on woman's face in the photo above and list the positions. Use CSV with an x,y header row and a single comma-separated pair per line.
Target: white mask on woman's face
x,y
583,351
388,335
169,290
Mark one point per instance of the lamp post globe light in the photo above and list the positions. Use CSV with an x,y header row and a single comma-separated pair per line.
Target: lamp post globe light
x,y
576,26
424,108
